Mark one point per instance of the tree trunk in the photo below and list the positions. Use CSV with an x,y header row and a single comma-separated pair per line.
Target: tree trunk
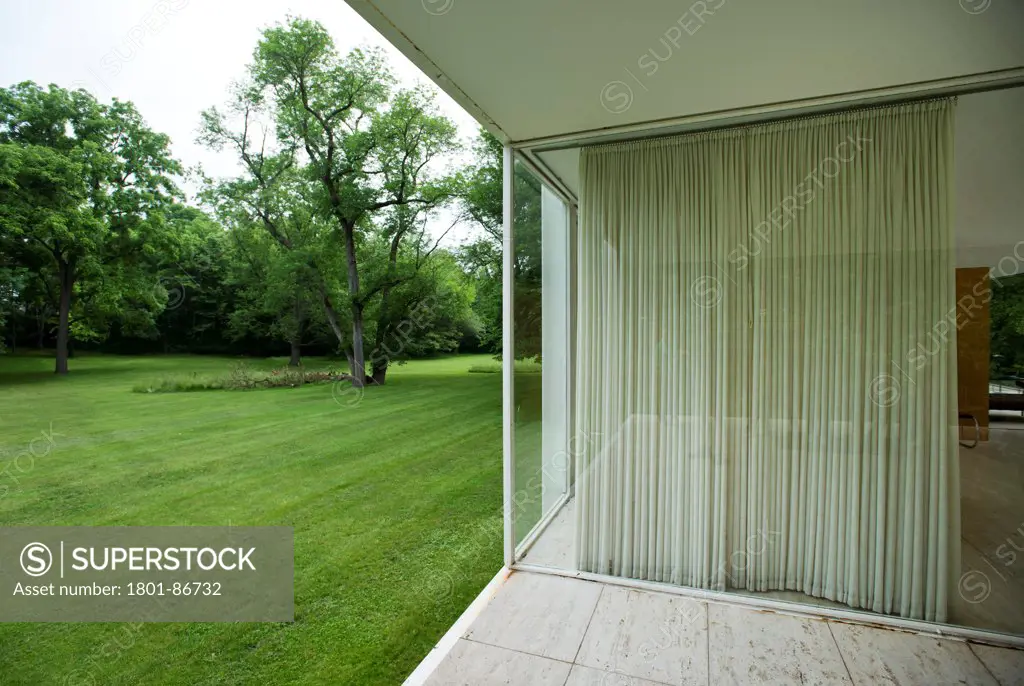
x,y
331,314
379,373
351,361
65,273
378,360
380,356
358,361
296,358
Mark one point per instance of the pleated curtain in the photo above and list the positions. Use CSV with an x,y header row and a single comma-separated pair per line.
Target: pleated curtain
x,y
765,362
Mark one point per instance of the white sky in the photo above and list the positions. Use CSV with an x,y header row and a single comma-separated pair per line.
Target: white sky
x,y
173,58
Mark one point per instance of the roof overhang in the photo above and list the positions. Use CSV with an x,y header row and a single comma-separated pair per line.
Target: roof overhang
x,y
543,75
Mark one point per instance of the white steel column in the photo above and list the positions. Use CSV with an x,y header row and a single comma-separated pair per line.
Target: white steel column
x,y
508,362
573,242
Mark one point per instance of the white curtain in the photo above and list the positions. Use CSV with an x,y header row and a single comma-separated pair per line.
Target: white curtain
x,y
766,360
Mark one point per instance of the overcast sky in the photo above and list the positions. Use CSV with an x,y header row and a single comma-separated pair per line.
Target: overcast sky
x,y
172,58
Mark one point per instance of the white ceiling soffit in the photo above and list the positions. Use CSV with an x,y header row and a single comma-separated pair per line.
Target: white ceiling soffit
x,y
532,70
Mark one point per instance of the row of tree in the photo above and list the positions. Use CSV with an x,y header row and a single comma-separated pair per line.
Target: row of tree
x,y
327,239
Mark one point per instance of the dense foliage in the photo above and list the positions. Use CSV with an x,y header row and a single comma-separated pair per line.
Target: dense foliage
x,y
330,240
1007,312
84,193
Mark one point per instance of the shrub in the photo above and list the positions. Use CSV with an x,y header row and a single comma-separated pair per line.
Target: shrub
x,y
180,384
521,367
241,377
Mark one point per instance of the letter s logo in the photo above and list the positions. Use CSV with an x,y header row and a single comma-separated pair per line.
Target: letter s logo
x,y
36,559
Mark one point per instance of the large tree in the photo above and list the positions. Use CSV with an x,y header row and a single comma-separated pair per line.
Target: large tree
x,y
83,191
276,196
366,147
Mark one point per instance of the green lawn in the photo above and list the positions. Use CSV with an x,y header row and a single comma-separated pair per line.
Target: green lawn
x,y
395,501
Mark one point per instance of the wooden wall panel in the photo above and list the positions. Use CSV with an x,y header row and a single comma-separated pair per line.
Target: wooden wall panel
x,y
973,292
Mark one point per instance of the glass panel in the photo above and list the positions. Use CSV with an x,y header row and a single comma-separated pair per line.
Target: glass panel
x,y
788,384
540,315
555,350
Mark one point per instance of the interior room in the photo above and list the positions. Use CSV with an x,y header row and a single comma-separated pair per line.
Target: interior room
x,y
835,403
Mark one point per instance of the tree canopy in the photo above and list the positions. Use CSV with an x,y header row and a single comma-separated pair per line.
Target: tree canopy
x,y
333,236
338,167
84,190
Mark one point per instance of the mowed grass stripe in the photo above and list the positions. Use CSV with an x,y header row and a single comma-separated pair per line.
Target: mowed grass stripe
x,y
387,497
